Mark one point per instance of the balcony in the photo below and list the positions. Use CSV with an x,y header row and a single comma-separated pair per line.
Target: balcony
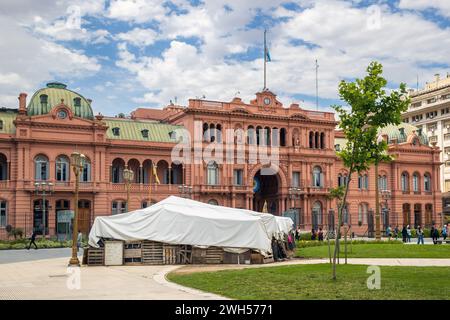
x,y
5,184
208,188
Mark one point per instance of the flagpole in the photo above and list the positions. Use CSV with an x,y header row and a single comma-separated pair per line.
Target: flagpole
x,y
265,58
317,86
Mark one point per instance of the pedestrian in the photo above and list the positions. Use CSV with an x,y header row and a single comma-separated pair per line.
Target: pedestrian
x,y
32,238
434,234
396,232
404,234
320,234
79,240
419,235
408,230
313,234
444,231
297,234
388,232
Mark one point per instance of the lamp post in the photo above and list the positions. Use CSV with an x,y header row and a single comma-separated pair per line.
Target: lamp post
x,y
128,176
377,197
386,195
185,191
43,189
294,194
77,161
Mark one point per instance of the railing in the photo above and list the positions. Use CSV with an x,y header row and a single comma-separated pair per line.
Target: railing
x,y
4,184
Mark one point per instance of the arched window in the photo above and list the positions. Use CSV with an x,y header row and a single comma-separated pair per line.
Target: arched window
x,y
427,183
118,206
283,137
1,125
250,135
212,173
219,133
382,182
274,138
363,210
3,213
317,141
62,168
118,166
405,182
3,167
345,215
267,133
342,180
311,139
116,131
259,135
41,168
317,177
212,132
77,105
86,173
44,102
206,132
317,214
363,182
415,182
322,140
406,208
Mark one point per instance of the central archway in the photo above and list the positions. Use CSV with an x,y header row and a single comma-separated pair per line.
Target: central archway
x,y
266,188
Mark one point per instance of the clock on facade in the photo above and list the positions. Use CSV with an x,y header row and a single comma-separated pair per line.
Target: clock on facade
x,y
266,101
62,114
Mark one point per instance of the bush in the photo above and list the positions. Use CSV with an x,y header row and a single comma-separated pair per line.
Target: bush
x,y
305,236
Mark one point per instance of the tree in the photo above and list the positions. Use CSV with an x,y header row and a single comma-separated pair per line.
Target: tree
x,y
369,109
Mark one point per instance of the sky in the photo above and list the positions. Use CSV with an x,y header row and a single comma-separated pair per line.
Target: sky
x,y
125,54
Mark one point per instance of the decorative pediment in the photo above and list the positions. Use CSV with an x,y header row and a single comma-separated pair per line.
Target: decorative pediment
x,y
61,111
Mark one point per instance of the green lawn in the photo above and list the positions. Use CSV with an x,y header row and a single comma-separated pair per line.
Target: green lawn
x,y
313,282
377,250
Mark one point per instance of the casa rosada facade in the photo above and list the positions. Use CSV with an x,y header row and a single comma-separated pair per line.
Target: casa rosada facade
x,y
37,139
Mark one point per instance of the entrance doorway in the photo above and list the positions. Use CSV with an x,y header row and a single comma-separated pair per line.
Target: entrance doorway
x,y
84,216
265,188
38,215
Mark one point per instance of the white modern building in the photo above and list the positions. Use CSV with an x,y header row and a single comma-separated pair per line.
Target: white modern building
x,y
430,112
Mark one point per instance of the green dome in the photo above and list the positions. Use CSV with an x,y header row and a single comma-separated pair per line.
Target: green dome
x,y
45,99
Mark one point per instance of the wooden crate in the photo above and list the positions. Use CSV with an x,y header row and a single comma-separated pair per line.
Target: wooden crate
x,y
258,258
152,252
132,253
95,256
214,255
234,258
170,253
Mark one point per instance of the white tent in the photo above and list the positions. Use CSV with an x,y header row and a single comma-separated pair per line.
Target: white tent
x,y
182,221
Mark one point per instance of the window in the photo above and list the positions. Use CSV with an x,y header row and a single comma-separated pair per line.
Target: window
x,y
406,120
238,177
250,135
432,100
44,99
296,179
342,180
431,115
145,204
172,135
345,215
1,124
405,182
116,131
432,126
382,182
337,147
213,202
86,173
415,182
119,207
362,213
311,139
427,183
77,102
317,214
417,104
363,182
41,168
212,175
62,168
144,133
3,167
317,177
445,111
3,213
322,140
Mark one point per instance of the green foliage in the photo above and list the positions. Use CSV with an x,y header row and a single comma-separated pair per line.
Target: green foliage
x,y
14,232
305,236
41,243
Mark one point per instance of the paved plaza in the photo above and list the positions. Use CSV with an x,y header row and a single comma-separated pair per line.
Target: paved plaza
x,y
48,278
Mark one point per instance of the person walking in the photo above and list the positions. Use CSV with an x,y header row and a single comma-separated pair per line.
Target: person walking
x,y
79,240
32,238
434,234
320,234
396,232
419,235
388,232
408,231
444,232
404,234
313,234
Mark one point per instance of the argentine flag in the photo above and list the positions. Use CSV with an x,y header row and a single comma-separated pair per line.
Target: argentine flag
x,y
268,56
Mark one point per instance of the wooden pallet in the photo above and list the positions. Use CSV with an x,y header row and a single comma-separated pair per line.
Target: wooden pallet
x,y
95,257
152,252
185,254
132,253
170,254
214,255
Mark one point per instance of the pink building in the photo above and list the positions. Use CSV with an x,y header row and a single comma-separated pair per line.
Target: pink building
x,y
36,141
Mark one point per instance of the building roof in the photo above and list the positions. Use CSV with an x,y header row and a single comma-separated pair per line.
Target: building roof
x,y
130,129
58,93
8,116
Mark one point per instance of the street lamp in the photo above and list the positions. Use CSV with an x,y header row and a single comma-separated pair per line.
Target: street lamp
x,y
377,196
128,176
43,189
185,191
386,195
77,161
294,194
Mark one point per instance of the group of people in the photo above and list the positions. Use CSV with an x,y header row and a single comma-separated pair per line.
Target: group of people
x,y
407,234
281,244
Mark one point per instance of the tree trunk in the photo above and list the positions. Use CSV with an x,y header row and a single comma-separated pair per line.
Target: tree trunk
x,y
340,208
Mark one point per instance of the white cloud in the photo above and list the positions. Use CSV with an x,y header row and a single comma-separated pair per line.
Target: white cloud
x,y
136,10
443,6
138,37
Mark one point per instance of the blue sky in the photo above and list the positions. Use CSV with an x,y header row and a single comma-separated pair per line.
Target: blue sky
x,y
125,54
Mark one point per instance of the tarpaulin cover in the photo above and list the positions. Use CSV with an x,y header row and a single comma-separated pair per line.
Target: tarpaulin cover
x,y
177,220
